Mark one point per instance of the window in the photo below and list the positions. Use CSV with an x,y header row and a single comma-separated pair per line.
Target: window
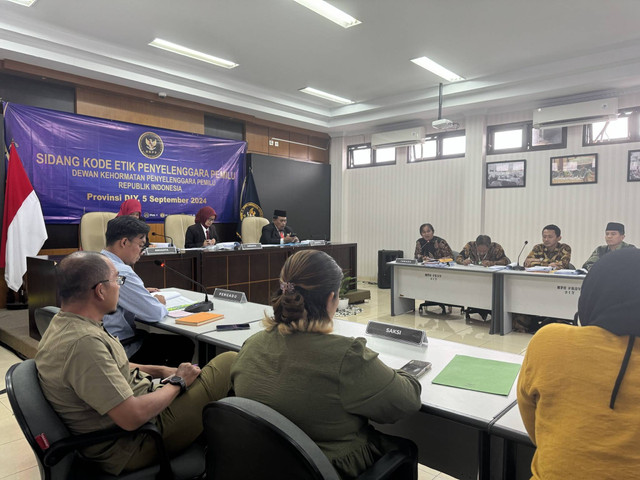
x,y
438,146
626,128
522,137
363,155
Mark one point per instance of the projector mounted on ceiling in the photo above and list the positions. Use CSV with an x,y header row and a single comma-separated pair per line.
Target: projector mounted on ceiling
x,y
443,124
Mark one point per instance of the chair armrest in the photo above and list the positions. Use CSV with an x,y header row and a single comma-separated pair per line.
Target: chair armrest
x,y
60,449
385,466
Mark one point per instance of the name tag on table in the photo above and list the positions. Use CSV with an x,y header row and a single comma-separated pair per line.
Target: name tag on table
x,y
407,261
230,295
317,243
251,246
160,250
397,333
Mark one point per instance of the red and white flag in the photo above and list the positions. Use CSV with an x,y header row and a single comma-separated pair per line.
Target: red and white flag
x,y
23,230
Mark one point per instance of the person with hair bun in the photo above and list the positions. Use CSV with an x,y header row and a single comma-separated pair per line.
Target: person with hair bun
x,y
328,385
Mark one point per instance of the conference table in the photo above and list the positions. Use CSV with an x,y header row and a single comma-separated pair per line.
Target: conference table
x,y
511,447
452,427
541,294
503,292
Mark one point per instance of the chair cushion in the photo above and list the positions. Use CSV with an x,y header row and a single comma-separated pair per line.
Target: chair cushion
x,y
252,229
175,226
93,226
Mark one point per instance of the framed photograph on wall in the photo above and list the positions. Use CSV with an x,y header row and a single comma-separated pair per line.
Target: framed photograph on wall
x,y
633,167
574,170
507,174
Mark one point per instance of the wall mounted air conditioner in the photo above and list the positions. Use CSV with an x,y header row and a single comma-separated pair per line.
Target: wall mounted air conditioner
x,y
398,138
575,113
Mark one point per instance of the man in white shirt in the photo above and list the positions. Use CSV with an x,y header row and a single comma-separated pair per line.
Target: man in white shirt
x,y
126,240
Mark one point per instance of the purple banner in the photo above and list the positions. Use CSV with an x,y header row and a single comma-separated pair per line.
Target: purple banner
x,y
81,164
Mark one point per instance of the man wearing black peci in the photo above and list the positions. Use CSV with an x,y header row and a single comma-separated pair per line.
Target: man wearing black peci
x,y
278,232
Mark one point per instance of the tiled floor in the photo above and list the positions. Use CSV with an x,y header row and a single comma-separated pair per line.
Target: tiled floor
x,y
17,462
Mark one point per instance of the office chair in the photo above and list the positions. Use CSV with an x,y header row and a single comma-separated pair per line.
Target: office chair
x,y
43,317
93,226
59,459
247,439
251,229
175,226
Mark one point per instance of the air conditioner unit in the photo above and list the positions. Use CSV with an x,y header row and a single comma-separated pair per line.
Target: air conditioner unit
x,y
576,113
398,138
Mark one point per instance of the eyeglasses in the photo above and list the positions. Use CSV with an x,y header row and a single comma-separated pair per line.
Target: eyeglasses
x,y
120,279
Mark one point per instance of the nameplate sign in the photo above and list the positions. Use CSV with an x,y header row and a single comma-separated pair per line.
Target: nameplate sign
x,y
251,246
406,261
397,333
230,295
317,243
160,250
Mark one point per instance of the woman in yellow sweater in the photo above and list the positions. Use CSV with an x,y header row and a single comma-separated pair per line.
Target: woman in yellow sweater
x,y
579,387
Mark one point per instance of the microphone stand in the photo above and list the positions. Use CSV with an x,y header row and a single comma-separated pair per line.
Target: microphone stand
x,y
518,266
204,306
154,234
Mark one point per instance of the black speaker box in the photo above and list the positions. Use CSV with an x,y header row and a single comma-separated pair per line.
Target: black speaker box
x,y
384,270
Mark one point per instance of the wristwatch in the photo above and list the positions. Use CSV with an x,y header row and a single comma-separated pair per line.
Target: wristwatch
x,y
176,380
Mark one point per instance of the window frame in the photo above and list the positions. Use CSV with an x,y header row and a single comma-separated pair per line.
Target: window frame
x,y
527,138
633,129
439,137
362,146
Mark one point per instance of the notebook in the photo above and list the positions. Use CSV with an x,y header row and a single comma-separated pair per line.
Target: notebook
x,y
198,319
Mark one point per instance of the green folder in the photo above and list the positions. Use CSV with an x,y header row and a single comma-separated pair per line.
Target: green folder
x,y
479,374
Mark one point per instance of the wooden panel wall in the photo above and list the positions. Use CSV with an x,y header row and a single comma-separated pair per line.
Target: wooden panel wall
x,y
296,144
102,104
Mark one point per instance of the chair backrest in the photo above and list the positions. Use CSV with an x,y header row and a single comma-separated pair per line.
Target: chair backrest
x,y
251,230
43,317
93,225
175,226
36,417
247,439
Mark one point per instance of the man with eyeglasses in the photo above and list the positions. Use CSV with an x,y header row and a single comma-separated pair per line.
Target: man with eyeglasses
x,y
86,377
126,239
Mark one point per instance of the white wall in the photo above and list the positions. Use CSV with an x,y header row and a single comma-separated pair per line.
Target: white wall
x,y
382,207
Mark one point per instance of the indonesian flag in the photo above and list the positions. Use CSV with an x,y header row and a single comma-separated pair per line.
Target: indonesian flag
x,y
23,231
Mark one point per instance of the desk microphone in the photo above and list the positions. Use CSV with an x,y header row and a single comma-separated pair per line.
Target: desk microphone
x,y
164,236
518,267
196,307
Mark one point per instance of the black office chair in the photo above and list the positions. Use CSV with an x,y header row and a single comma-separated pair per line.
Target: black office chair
x,y
247,439
56,448
43,317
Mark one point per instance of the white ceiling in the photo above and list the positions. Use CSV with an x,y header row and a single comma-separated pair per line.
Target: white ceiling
x,y
514,53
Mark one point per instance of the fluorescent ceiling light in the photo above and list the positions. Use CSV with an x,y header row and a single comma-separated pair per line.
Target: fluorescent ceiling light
x,y
24,3
330,12
439,70
326,96
187,52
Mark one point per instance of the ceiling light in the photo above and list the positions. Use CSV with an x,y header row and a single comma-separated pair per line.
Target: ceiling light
x,y
24,3
330,12
187,52
326,96
439,70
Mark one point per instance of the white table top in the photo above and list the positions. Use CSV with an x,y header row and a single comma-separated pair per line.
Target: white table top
x,y
233,313
455,267
473,407
510,426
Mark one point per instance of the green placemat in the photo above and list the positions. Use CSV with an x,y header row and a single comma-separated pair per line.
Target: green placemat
x,y
479,374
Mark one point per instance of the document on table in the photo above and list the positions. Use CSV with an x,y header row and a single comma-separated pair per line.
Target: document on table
x,y
175,301
479,374
539,269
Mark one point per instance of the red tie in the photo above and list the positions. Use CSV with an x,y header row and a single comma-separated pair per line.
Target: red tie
x,y
207,233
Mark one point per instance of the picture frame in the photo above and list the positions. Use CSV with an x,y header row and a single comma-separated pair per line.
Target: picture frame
x,y
509,174
574,170
633,166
